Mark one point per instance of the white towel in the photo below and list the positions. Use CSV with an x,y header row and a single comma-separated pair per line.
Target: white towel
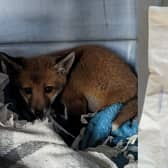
x,y
153,132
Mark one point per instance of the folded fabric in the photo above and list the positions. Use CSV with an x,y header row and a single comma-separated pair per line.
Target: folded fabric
x,y
36,145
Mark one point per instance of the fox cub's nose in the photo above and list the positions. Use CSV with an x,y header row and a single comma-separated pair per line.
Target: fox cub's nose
x,y
39,114
39,111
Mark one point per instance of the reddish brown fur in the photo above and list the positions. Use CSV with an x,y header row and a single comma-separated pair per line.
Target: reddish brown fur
x,y
100,79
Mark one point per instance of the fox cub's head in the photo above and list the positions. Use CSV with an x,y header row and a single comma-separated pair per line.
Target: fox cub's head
x,y
39,79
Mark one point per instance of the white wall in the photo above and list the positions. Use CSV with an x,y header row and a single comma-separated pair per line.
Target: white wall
x,y
142,46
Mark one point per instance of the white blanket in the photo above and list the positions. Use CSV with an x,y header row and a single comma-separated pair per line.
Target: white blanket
x,y
38,146
153,132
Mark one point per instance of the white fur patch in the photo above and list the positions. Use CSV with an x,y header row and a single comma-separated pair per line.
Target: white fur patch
x,y
115,126
56,94
53,98
93,103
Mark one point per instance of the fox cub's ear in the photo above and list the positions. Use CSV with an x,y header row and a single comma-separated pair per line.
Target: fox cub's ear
x,y
11,62
65,64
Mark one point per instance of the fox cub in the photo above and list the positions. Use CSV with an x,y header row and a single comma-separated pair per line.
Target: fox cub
x,y
88,78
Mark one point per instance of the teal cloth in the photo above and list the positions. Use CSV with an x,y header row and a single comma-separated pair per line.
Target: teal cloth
x,y
100,127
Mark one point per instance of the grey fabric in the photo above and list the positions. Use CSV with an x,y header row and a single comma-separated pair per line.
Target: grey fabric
x,y
164,2
125,48
66,20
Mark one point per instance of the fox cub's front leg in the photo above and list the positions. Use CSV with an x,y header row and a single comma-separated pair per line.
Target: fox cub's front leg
x,y
75,105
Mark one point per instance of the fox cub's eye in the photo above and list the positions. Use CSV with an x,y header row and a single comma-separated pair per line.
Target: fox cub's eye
x,y
48,89
27,90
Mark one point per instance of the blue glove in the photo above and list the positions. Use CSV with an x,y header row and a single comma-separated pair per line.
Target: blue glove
x,y
100,126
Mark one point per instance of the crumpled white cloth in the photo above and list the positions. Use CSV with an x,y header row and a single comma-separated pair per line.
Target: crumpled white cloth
x,y
37,145
153,132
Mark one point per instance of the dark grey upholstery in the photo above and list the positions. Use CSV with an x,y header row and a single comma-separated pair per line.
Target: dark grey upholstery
x,y
66,20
